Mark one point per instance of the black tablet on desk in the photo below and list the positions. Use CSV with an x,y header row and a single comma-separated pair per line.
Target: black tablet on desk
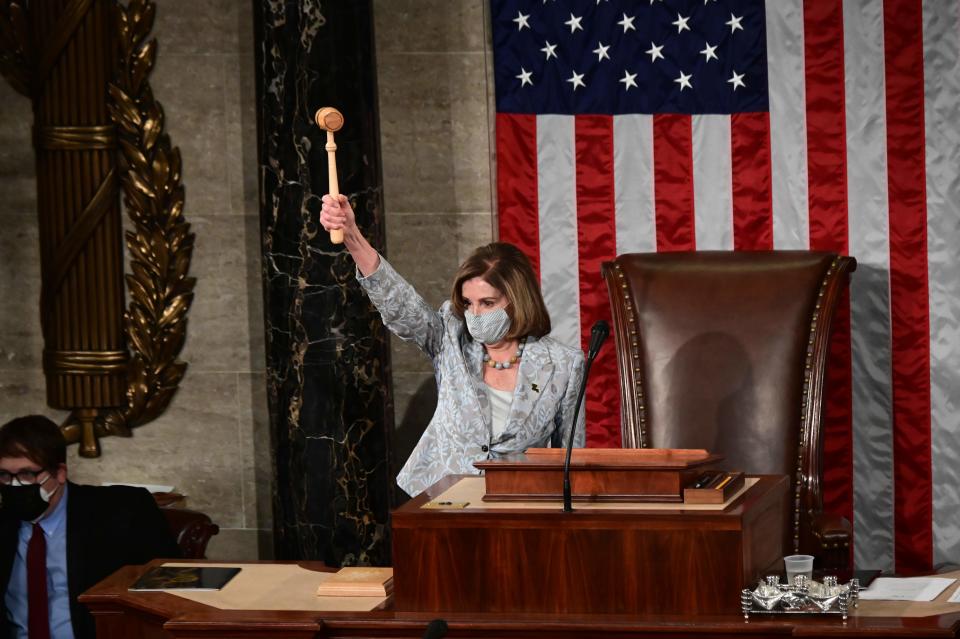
x,y
184,578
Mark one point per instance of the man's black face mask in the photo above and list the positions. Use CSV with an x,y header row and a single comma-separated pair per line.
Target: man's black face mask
x,y
25,502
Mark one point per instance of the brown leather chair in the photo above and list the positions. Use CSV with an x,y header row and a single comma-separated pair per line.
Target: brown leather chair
x,y
727,351
192,530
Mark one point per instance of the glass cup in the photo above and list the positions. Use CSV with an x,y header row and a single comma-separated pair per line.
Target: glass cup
x,y
798,565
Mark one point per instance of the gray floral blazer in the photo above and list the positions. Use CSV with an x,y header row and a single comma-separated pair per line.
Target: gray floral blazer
x,y
460,432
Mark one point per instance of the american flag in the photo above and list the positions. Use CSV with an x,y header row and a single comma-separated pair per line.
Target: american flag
x,y
660,125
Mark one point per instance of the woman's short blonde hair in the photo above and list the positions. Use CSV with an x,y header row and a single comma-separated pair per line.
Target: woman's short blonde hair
x,y
504,267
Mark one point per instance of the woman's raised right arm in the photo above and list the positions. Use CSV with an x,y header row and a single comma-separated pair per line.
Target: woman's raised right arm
x,y
336,213
403,310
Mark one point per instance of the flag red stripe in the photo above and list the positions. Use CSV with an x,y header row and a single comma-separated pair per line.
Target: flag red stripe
x,y
596,237
517,184
673,182
826,125
751,181
910,319
827,193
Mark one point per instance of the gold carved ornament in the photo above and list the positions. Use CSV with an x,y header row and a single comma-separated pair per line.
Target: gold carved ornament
x,y
160,244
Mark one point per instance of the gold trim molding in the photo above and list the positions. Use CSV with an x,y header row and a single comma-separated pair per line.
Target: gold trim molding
x,y
76,138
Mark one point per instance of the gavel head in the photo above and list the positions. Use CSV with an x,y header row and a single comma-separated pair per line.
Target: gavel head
x,y
329,119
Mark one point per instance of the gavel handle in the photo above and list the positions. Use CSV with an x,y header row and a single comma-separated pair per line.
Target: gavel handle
x,y
336,235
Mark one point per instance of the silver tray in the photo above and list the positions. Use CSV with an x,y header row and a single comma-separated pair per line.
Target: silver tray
x,y
796,599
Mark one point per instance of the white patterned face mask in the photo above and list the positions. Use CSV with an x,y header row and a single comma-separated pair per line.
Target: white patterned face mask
x,y
488,328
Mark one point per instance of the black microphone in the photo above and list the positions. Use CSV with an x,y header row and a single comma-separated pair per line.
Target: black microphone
x,y
435,629
598,334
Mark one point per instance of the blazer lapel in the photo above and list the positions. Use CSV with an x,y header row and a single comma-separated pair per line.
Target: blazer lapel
x,y
476,407
533,378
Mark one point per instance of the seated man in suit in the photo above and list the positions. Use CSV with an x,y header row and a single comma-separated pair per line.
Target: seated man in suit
x,y
58,538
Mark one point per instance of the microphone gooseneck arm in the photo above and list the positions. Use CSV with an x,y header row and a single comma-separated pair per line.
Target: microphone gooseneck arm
x,y
567,497
598,334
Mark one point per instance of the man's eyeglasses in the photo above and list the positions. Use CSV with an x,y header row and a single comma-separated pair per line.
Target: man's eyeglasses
x,y
24,477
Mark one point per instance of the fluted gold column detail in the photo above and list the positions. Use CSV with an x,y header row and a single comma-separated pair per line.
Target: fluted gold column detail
x,y
82,295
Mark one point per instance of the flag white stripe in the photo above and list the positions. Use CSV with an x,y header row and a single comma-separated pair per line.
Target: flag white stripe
x,y
788,124
869,239
633,183
557,193
941,52
712,182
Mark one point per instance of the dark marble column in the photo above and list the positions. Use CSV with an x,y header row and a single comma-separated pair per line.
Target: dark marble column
x,y
327,354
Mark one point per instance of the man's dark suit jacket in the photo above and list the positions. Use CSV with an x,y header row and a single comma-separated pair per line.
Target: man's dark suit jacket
x,y
107,527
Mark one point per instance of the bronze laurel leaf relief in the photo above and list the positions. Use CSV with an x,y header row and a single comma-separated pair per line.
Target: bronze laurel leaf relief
x,y
161,244
112,368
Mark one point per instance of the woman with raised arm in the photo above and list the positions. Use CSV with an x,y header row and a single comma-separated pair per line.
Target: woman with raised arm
x,y
503,384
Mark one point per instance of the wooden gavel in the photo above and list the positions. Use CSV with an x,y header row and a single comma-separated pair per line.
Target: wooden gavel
x,y
330,120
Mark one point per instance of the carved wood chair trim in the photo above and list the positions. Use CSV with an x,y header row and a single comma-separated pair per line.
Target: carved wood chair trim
x,y
818,344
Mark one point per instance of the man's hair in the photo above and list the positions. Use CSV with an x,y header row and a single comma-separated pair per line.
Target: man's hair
x,y
36,438
504,267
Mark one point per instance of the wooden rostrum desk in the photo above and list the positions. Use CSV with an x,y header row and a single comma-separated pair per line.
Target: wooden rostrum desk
x,y
553,571
617,558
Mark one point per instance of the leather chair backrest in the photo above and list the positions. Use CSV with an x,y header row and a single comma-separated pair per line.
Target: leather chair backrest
x,y
727,351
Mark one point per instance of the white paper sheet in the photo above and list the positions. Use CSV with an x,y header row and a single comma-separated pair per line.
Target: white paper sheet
x,y
906,588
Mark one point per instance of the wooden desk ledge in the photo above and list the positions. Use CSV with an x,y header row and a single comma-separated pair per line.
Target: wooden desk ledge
x,y
124,614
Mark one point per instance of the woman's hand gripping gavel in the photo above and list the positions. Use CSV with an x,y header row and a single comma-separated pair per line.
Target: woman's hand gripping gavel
x,y
330,120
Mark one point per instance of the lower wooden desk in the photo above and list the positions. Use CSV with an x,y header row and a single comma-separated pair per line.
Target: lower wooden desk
x,y
121,614
626,558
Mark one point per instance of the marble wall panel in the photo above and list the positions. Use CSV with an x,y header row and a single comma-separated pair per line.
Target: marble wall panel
x,y
254,294
18,187
201,27
473,230
241,122
255,451
195,447
218,337
429,25
231,543
191,89
423,247
21,344
434,132
24,392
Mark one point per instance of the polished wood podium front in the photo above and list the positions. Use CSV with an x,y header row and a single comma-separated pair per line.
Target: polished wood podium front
x,y
623,559
121,614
